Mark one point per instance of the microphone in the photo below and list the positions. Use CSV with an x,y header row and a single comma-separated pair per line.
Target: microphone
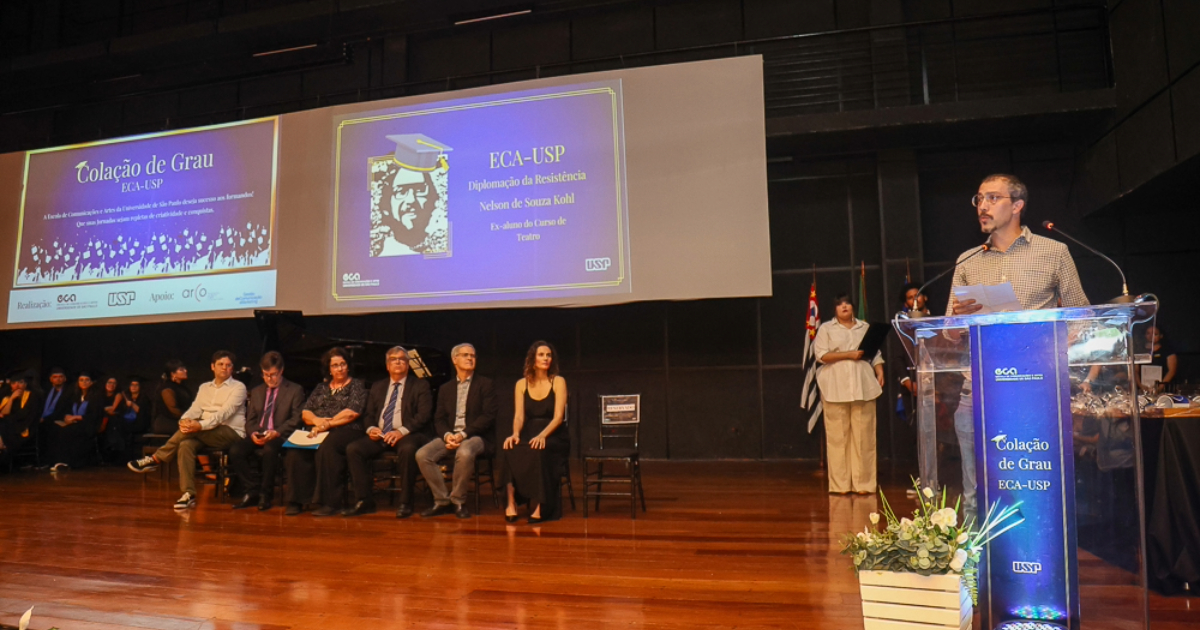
x,y
982,248
1121,299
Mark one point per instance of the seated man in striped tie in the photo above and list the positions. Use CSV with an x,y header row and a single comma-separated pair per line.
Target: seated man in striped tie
x,y
398,414
272,414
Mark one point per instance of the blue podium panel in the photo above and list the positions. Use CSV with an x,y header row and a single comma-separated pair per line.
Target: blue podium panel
x,y
1023,449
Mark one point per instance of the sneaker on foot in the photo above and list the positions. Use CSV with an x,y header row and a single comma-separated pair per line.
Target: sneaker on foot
x,y
143,465
187,501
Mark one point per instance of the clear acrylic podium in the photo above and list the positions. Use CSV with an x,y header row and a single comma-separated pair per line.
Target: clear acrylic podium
x,y
1010,393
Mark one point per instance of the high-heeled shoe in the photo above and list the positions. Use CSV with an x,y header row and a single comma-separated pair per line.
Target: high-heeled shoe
x,y
510,519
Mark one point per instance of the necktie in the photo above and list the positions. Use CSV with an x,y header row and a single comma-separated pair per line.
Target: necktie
x,y
51,401
390,412
269,410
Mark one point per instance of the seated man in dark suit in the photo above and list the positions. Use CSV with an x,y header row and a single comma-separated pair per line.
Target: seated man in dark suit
x,y
466,411
272,414
398,412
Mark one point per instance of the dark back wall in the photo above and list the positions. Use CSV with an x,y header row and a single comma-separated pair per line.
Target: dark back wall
x,y
719,378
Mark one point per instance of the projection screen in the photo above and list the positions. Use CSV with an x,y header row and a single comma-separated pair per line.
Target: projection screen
x,y
639,184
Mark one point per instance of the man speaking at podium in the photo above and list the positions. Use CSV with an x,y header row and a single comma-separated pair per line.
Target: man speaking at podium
x,y
1040,269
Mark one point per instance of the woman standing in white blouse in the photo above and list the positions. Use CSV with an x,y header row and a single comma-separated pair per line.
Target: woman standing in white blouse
x,y
849,386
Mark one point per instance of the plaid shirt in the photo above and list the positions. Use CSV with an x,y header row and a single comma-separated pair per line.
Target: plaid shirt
x,y
1041,271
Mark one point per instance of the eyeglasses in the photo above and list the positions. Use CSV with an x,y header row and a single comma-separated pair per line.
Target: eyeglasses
x,y
991,198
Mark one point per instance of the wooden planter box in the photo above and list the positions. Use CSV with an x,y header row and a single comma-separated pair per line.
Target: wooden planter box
x,y
907,601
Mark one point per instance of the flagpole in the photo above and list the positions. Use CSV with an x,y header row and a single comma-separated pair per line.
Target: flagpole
x,y
810,393
821,440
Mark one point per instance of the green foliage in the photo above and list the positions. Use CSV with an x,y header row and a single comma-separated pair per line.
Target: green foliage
x,y
935,541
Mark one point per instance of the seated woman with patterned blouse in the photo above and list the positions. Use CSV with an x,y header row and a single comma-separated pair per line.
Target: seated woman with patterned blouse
x,y
333,407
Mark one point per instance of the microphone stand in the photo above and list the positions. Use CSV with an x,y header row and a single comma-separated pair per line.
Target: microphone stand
x,y
982,248
1124,298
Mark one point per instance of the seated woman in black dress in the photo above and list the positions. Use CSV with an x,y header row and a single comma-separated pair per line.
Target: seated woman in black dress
x,y
334,407
535,455
72,439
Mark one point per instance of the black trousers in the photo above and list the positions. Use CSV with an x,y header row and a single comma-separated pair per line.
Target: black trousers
x,y
301,466
74,444
256,480
331,465
363,451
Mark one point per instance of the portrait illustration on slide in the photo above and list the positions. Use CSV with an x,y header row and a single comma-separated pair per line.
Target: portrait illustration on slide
x,y
409,198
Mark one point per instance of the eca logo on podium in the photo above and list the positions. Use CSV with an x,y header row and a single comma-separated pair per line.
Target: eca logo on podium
x,y
1013,375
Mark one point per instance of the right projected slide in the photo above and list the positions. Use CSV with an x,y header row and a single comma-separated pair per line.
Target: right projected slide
x,y
503,197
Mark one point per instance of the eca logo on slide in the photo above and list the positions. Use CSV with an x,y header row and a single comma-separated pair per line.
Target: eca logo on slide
x,y
121,298
597,264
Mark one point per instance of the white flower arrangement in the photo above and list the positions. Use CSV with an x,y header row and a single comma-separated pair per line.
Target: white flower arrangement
x,y
930,543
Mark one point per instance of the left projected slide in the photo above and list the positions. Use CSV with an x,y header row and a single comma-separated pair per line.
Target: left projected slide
x,y
176,222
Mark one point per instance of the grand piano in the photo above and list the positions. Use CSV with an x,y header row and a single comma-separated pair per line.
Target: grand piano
x,y
285,332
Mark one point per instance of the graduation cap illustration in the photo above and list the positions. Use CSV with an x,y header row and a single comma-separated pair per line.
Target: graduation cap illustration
x,y
419,152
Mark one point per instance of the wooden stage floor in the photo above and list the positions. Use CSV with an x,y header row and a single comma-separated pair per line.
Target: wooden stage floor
x,y
724,544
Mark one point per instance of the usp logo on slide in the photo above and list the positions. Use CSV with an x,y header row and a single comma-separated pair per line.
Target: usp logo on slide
x,y
121,298
597,264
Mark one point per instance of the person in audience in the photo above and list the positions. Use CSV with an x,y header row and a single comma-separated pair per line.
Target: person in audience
x,y
72,439
19,415
534,457
139,408
1162,355
112,425
399,409
333,408
172,398
913,300
849,386
913,305
215,419
466,411
53,408
273,412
